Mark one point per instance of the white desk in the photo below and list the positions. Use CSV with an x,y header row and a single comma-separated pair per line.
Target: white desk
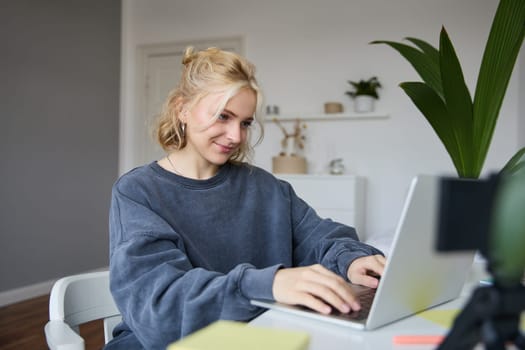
x,y
326,336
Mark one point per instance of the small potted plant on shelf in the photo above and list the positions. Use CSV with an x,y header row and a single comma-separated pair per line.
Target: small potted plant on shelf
x,y
364,94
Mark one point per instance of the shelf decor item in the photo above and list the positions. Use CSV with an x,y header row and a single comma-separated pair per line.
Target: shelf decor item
x,y
336,166
289,160
333,107
364,94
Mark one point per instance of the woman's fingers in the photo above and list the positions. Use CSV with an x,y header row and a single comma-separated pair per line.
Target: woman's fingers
x,y
367,270
320,289
329,295
314,287
338,286
314,303
366,280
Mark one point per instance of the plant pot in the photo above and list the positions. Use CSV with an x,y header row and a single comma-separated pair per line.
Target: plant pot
x,y
289,165
364,104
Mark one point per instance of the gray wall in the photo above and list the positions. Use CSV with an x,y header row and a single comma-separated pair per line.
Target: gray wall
x,y
59,106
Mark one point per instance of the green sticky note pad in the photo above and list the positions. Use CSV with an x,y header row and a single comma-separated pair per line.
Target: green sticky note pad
x,y
230,335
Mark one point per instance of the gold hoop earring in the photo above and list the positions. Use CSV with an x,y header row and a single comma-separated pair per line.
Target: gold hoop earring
x,y
183,129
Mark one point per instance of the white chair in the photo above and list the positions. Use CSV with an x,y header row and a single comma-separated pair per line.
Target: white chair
x,y
75,300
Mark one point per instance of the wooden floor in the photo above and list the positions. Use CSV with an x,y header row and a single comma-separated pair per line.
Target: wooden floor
x,y
22,326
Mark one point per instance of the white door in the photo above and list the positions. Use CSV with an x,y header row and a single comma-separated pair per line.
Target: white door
x,y
159,70
163,73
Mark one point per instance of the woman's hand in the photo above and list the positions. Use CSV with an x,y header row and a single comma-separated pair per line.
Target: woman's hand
x,y
315,287
366,270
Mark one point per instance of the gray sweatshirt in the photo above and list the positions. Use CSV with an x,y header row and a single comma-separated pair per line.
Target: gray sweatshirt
x,y
185,253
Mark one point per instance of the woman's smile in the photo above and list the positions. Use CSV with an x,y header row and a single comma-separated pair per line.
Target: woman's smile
x,y
224,148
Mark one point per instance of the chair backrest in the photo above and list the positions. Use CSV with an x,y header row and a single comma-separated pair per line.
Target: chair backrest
x,y
82,298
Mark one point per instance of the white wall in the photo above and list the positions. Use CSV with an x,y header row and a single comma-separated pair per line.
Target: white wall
x,y
306,50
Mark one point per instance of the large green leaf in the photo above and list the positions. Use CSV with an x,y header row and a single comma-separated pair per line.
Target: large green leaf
x,y
428,49
502,48
435,111
425,64
466,127
458,103
516,163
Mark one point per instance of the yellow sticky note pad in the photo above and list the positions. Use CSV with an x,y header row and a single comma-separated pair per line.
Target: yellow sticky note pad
x,y
229,335
445,318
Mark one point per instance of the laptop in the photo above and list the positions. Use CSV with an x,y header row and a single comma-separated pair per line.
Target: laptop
x,y
416,277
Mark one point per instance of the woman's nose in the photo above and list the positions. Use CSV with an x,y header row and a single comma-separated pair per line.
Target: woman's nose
x,y
234,133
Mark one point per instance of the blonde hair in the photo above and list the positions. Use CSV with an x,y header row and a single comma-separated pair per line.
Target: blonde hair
x,y
206,72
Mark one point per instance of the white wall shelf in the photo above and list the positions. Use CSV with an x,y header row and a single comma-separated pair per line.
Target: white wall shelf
x,y
327,117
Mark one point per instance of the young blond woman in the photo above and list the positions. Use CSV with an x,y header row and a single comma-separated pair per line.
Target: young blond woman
x,y
196,235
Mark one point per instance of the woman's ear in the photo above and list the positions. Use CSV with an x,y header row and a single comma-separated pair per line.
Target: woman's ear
x,y
182,110
184,114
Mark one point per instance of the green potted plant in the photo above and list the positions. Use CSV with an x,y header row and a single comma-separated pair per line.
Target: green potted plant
x,y
465,125
364,94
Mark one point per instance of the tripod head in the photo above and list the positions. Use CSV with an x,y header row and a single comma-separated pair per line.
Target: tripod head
x,y
487,215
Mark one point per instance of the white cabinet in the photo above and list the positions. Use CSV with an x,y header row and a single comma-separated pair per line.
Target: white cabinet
x,y
338,197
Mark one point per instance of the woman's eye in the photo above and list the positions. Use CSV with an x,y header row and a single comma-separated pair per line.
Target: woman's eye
x,y
223,116
247,123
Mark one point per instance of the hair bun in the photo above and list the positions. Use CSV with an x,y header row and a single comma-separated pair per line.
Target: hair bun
x,y
189,55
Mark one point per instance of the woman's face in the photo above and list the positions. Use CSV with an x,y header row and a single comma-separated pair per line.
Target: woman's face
x,y
215,144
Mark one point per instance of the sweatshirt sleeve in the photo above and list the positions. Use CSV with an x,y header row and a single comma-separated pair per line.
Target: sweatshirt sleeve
x,y
317,240
161,296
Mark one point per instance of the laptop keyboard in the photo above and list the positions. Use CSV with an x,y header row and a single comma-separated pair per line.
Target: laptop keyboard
x,y
366,297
